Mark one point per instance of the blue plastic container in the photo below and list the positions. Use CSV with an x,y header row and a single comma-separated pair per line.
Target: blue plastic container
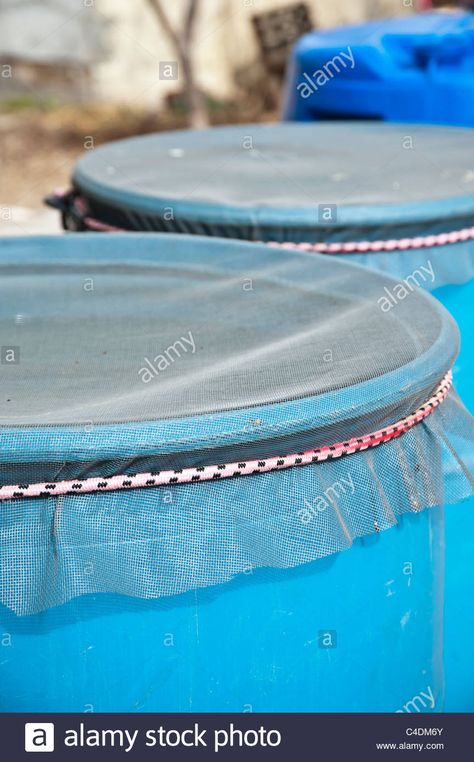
x,y
276,591
413,69
292,640
459,610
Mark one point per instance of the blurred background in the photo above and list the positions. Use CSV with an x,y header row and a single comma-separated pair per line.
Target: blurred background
x,y
76,73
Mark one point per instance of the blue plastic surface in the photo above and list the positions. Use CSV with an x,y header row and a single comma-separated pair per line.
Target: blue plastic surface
x,y
359,631
454,265
413,69
459,604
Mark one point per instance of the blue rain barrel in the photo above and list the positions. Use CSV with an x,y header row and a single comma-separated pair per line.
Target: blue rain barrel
x,y
412,69
459,608
324,183
138,576
329,185
268,642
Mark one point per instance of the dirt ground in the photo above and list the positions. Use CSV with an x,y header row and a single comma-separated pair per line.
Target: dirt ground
x,y
38,149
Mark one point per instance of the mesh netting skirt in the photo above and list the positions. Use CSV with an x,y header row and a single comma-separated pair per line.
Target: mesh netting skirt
x,y
192,431
396,198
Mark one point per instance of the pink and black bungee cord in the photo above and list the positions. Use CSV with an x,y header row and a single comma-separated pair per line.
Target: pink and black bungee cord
x,y
230,470
79,206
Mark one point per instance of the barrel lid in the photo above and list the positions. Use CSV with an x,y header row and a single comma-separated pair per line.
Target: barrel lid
x,y
315,179
177,342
